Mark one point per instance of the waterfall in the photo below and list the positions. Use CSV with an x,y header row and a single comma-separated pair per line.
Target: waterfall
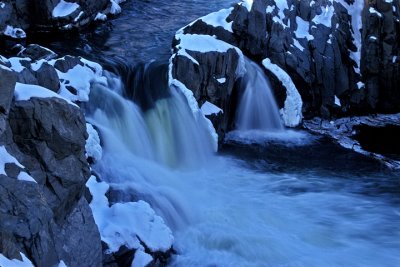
x,y
257,108
164,131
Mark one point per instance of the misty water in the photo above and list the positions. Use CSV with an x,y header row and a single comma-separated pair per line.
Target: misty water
x,y
265,199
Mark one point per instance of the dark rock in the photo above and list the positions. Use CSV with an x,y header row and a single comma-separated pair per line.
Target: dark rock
x,y
7,86
47,77
67,63
49,137
27,77
49,220
12,170
78,239
37,52
202,79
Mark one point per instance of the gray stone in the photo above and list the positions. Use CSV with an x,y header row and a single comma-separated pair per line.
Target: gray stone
x,y
47,77
37,52
67,63
7,86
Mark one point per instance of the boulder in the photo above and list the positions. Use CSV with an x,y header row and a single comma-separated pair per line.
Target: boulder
x,y
37,52
49,220
67,63
49,140
47,77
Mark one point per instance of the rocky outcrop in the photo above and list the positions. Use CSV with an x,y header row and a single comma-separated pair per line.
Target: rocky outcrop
x,y
373,136
43,167
19,17
342,56
48,220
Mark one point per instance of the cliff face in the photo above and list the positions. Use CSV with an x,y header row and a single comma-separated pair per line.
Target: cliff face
x,y
342,56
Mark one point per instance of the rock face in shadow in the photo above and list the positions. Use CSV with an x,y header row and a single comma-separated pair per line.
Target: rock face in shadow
x,y
48,220
16,17
343,56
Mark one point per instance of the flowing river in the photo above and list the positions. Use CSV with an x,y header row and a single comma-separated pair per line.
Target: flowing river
x,y
285,198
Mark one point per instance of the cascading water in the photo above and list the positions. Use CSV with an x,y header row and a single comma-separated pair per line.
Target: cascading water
x,y
257,108
229,212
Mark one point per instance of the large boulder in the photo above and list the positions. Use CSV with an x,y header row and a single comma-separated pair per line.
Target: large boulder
x,y
47,218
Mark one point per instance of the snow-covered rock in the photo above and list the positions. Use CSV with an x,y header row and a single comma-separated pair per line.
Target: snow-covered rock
x,y
130,224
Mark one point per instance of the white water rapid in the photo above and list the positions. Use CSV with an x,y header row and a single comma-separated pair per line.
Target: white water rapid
x,y
222,211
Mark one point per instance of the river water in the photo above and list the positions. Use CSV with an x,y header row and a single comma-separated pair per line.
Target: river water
x,y
287,199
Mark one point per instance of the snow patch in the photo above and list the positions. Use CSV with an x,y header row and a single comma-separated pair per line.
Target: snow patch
x,y
62,264
27,91
63,9
302,30
218,19
325,17
292,110
16,33
337,101
2,5
247,4
206,43
375,12
15,263
79,77
270,9
16,63
115,8
141,259
5,157
100,16
221,80
355,10
208,109
298,45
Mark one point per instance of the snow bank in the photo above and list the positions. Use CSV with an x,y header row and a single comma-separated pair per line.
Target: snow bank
x,y
292,111
63,9
4,262
208,109
128,223
27,91
93,147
